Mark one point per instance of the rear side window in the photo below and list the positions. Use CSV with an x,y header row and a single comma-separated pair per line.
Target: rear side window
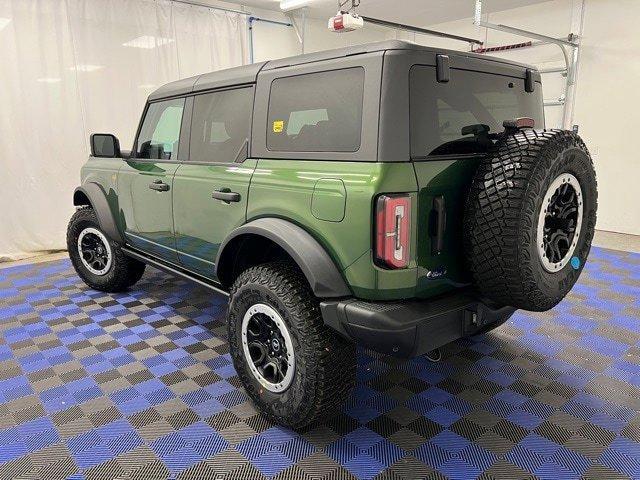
x,y
221,125
160,130
316,112
455,118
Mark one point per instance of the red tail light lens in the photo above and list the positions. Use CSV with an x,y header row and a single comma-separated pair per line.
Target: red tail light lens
x,y
393,224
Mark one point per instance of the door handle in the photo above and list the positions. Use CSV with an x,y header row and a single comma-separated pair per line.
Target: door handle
x,y
226,195
159,186
437,233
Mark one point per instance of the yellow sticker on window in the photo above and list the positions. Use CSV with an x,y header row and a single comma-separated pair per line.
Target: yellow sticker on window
x,y
278,126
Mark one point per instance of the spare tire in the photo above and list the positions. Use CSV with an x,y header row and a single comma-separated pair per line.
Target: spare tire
x,y
530,218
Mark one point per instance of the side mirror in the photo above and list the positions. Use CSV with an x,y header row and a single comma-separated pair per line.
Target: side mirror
x,y
104,145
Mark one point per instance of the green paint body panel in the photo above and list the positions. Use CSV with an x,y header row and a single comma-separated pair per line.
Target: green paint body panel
x,y
285,189
329,199
148,214
450,179
333,201
104,172
201,222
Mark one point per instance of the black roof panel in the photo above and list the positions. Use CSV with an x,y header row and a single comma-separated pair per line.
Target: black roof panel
x,y
379,47
249,73
207,81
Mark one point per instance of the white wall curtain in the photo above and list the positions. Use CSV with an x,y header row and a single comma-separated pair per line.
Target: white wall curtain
x,y
72,67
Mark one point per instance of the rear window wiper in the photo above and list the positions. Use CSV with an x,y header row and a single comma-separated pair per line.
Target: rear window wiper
x,y
477,129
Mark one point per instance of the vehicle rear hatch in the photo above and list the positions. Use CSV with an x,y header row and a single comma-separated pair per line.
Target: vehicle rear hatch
x,y
450,132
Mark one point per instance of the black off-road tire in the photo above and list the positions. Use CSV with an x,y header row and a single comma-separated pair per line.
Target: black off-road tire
x,y
325,363
124,271
501,217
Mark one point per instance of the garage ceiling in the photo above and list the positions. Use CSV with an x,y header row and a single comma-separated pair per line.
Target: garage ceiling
x,y
415,12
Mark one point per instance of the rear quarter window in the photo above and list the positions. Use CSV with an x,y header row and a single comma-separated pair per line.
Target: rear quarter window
x,y
316,112
454,118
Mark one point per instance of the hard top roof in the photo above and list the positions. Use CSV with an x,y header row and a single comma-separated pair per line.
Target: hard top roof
x,y
249,73
206,81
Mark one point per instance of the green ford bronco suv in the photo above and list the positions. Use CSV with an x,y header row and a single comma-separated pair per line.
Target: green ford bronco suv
x,y
389,195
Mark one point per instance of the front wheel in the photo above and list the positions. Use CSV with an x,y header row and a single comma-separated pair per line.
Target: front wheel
x,y
98,261
294,368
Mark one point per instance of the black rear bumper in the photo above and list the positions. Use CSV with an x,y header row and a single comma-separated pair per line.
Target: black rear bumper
x,y
412,327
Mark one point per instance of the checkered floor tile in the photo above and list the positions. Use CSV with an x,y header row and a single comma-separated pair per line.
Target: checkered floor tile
x,y
141,385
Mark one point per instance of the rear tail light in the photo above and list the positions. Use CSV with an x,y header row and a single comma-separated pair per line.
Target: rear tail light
x,y
393,223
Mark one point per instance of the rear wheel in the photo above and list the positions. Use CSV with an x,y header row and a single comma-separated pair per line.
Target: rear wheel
x,y
530,218
295,369
99,261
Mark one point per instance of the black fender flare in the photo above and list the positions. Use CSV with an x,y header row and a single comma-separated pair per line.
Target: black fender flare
x,y
318,267
94,193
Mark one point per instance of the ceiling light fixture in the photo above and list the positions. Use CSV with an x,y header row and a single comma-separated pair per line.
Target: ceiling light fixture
x,y
4,22
288,5
148,42
49,80
86,68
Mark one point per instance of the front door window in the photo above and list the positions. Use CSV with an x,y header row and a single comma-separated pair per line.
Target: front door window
x,y
160,132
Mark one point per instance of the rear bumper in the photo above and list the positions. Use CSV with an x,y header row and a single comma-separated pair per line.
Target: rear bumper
x,y
412,327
